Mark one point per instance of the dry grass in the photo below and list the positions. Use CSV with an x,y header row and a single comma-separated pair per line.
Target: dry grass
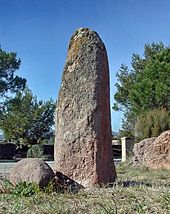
x,y
138,190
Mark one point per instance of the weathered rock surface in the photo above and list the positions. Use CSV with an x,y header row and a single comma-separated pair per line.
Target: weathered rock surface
x,y
157,155
32,170
83,148
140,148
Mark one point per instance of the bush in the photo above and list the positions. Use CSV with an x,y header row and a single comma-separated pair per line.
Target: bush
x,y
36,151
41,151
152,123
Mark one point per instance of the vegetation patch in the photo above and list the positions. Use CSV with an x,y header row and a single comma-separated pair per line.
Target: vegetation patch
x,y
137,190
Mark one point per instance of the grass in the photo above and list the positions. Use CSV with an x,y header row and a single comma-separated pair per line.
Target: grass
x,y
142,174
137,190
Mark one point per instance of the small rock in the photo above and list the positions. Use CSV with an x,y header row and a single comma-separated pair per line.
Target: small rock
x,y
32,170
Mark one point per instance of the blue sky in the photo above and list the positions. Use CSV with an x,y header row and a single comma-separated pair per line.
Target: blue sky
x,y
40,30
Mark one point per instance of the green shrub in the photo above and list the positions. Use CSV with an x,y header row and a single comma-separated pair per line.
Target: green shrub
x,y
152,123
36,151
6,186
25,189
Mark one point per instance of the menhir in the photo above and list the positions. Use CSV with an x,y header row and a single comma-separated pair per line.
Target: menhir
x,y
83,149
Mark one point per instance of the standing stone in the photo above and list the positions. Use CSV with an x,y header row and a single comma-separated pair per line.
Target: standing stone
x,y
83,149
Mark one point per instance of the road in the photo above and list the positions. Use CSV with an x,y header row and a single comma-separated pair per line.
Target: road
x,y
6,166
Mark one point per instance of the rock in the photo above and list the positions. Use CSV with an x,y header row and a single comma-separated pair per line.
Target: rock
x,y
157,155
83,149
32,170
139,149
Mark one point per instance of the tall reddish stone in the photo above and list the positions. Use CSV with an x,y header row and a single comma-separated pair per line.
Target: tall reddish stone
x,y
83,139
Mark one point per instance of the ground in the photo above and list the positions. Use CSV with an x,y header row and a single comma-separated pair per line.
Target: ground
x,y
138,190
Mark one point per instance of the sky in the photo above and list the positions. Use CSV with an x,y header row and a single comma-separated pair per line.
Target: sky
x,y
40,30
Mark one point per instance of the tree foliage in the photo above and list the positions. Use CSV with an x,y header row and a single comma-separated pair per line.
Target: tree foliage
x,y
151,123
146,86
9,82
26,120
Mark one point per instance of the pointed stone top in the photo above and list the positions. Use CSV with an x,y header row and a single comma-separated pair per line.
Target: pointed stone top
x,y
83,32
83,37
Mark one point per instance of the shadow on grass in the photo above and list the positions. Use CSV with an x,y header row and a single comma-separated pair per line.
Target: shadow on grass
x,y
64,183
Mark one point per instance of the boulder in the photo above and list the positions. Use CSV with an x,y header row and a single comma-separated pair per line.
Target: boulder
x,y
32,170
83,141
157,155
140,148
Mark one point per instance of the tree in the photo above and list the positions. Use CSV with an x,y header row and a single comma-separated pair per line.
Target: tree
x,y
146,86
9,64
152,86
151,123
25,120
